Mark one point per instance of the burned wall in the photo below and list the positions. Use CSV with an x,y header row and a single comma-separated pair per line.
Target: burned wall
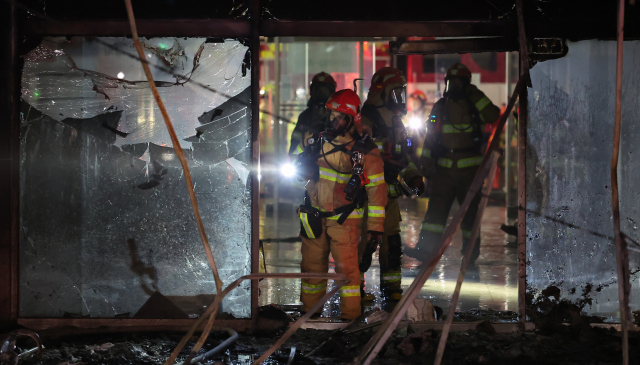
x,y
569,149
106,220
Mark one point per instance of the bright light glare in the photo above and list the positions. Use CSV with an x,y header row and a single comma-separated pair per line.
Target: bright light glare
x,y
288,170
414,123
120,75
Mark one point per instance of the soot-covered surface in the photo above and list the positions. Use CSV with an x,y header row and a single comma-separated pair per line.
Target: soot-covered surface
x,y
569,145
565,345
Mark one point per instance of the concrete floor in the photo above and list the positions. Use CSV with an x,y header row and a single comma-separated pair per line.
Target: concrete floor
x,y
492,284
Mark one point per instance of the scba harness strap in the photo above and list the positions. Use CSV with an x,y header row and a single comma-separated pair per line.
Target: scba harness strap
x,y
441,124
311,217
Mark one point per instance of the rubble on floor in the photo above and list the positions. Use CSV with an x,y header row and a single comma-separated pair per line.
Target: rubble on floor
x,y
568,345
563,335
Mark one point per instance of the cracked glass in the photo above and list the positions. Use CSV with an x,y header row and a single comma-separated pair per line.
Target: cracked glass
x,y
569,147
107,228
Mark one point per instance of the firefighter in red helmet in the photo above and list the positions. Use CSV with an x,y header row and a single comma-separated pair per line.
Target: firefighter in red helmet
x,y
383,112
313,118
418,102
345,174
451,156
416,122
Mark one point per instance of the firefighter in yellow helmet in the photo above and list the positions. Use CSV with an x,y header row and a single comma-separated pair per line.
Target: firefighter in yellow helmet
x,y
313,118
451,155
345,174
382,112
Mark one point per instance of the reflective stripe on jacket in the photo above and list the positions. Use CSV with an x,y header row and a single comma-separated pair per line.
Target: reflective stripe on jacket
x,y
327,194
457,132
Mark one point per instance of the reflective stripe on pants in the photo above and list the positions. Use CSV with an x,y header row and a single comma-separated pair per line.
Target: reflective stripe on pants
x,y
342,242
448,185
461,163
391,277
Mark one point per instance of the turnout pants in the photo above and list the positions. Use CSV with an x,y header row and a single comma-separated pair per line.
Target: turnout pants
x,y
448,184
342,242
390,254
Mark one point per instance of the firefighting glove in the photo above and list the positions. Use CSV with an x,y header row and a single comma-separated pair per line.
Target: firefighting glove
x,y
417,185
373,240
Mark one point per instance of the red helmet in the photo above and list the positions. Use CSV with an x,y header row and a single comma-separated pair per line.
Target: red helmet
x,y
345,101
324,78
459,70
387,76
419,95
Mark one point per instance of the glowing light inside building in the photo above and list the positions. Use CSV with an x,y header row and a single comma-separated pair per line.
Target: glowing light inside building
x,y
414,123
288,170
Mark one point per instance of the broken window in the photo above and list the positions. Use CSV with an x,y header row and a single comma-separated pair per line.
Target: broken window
x,y
107,228
569,146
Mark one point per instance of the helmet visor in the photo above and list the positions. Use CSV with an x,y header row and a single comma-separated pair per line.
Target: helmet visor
x,y
338,120
455,85
399,95
398,99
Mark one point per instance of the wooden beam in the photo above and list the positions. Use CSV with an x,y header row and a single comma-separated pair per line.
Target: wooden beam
x,y
622,253
486,191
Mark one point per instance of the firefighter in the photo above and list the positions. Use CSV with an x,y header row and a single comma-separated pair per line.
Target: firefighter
x,y
313,118
417,106
382,112
417,118
451,156
345,174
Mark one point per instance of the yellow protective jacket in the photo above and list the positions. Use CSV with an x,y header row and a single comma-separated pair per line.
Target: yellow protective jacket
x,y
456,131
327,194
400,152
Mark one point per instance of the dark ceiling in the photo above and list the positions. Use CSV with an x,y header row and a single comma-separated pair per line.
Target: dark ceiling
x,y
574,15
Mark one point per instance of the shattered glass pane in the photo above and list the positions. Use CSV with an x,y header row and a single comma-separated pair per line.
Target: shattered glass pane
x,y
570,141
107,228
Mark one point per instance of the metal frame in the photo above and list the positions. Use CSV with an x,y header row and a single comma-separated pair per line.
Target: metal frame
x,y
522,170
466,45
94,325
192,28
273,28
9,214
156,28
255,155
306,28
